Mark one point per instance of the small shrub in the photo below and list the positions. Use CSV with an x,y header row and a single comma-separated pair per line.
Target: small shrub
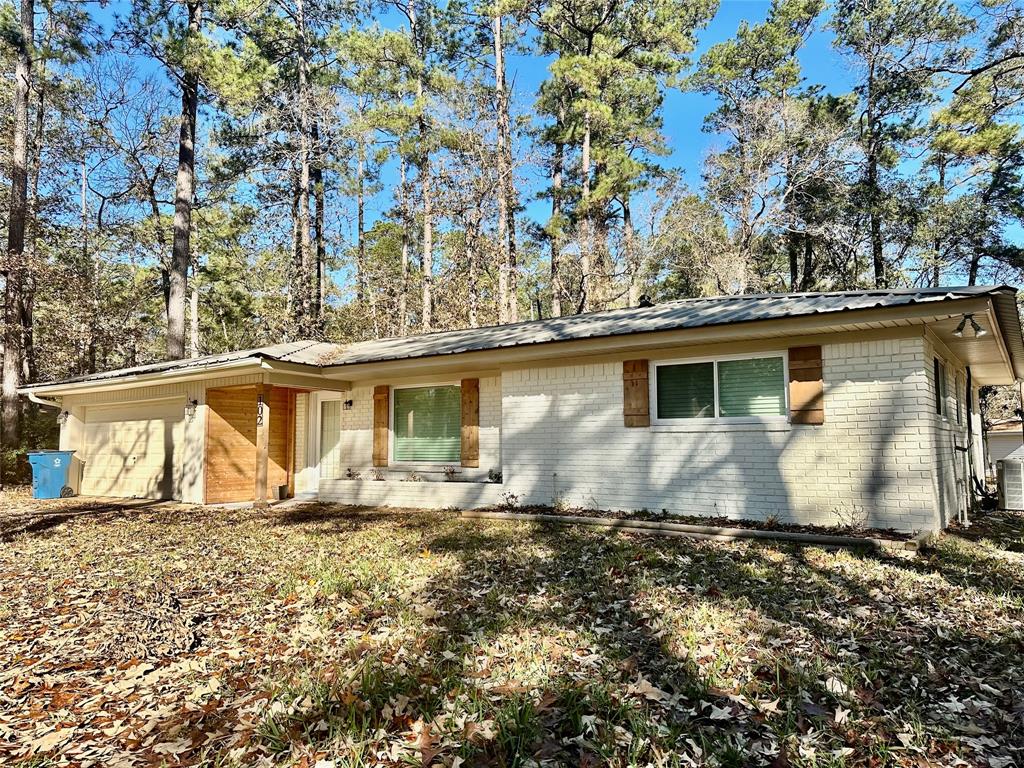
x,y
351,474
509,501
560,505
378,474
413,478
450,472
772,520
851,516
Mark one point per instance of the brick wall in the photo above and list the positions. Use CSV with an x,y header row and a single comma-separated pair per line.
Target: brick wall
x,y
557,434
564,439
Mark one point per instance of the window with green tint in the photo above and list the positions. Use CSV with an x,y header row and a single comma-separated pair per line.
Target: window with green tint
x,y
428,424
754,387
686,391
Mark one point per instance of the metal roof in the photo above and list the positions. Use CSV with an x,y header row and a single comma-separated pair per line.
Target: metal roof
x,y
303,352
671,315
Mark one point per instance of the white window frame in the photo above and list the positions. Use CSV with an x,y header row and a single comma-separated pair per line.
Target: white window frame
x,y
392,438
656,420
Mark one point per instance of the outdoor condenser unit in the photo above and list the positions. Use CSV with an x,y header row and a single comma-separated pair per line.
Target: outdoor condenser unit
x,y
1010,479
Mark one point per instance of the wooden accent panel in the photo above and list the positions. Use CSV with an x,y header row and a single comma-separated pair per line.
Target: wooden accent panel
x,y
806,386
381,427
636,394
470,422
231,443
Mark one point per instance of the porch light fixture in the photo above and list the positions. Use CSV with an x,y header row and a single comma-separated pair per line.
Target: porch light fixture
x,y
978,330
347,405
190,409
62,418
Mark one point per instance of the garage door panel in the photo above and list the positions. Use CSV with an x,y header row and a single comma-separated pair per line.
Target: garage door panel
x,y
133,450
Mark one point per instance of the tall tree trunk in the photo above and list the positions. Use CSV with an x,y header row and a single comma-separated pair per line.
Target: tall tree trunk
x,y
307,287
88,262
30,368
403,291
473,259
507,304
556,222
793,249
428,228
874,190
295,284
319,237
14,268
807,282
193,311
426,182
184,193
587,221
360,222
632,258
937,265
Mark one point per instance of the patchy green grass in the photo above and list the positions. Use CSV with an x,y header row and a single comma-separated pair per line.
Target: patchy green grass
x,y
388,637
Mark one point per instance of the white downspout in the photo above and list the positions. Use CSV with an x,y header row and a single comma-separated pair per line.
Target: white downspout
x,y
42,400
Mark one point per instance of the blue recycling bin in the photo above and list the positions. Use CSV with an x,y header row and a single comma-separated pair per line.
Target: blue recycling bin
x,y
50,473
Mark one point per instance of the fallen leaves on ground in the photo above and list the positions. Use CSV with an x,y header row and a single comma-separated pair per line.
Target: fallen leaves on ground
x,y
319,635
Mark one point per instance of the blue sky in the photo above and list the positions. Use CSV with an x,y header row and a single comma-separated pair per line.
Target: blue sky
x,y
684,112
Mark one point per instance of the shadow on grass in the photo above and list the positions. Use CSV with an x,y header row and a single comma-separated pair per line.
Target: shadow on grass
x,y
573,647
41,519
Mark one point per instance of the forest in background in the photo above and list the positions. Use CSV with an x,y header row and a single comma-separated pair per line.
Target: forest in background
x,y
186,177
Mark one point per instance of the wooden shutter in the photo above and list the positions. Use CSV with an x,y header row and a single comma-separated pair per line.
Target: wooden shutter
x,y
636,397
471,422
380,425
806,386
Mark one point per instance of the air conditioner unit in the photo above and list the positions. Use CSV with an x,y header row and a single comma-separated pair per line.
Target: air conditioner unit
x,y
1010,480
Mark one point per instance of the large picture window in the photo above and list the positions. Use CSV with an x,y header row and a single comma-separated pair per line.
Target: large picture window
x,y
750,388
428,424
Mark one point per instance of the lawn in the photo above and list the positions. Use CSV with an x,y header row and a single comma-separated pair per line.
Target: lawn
x,y
162,635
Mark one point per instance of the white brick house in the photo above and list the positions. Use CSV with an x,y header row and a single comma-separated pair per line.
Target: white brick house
x,y
807,408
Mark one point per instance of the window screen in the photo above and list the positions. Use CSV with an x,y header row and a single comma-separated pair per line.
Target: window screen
x,y
428,424
752,387
686,391
330,439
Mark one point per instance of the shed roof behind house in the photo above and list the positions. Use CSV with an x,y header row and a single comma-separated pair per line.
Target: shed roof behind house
x,y
672,315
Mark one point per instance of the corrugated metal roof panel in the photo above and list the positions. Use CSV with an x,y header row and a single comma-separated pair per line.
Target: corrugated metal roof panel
x,y
672,315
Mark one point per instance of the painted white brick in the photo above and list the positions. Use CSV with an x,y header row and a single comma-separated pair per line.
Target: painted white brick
x,y
556,433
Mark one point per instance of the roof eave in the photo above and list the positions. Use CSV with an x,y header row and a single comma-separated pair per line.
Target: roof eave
x,y
1004,308
174,375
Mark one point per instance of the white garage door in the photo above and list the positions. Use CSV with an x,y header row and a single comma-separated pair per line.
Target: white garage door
x,y
133,450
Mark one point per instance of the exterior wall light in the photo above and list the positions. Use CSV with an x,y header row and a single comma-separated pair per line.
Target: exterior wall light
x,y
978,330
191,406
347,405
62,418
